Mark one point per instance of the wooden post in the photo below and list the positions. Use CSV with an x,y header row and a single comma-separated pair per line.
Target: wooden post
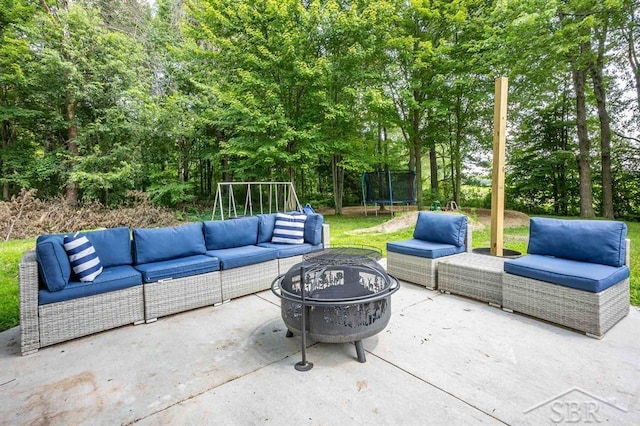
x,y
497,188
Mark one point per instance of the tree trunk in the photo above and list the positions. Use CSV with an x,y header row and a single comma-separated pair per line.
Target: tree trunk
x,y
417,155
596,69
632,54
584,161
338,182
71,190
433,165
6,134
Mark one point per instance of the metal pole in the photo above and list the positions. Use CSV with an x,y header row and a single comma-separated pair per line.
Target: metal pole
x,y
303,365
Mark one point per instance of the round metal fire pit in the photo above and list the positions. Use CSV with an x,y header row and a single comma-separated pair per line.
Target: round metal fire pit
x,y
337,295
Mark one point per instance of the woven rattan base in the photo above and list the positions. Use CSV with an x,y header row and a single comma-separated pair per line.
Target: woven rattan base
x,y
592,313
182,294
472,275
87,315
249,279
286,263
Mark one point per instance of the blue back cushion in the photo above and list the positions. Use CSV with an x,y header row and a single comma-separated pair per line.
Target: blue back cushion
x,y
230,233
265,228
594,241
53,262
112,245
313,229
155,245
441,228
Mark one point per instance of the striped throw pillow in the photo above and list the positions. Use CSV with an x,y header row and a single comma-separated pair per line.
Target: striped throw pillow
x,y
289,229
83,257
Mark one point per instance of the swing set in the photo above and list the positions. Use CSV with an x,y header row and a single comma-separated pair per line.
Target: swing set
x,y
278,196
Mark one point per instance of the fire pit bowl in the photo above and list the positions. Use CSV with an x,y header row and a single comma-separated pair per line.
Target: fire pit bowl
x,y
338,295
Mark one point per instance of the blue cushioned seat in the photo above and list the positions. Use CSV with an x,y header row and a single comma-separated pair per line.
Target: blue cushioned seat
x,y
441,228
289,250
593,241
312,228
222,234
178,268
242,256
112,245
53,262
592,277
111,279
156,245
427,249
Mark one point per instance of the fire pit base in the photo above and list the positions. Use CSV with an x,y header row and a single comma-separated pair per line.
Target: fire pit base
x,y
338,295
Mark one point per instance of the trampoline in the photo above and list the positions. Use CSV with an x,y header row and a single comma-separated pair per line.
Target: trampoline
x,y
388,187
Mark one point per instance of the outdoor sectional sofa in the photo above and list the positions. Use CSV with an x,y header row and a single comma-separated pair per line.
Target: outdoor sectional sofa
x,y
150,273
436,236
576,274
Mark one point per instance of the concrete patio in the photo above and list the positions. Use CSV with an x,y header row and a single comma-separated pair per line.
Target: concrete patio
x,y
443,359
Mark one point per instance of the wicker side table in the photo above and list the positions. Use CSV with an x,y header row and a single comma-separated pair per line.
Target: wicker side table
x,y
473,275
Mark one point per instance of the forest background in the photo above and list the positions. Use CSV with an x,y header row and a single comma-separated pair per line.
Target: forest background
x,y
101,99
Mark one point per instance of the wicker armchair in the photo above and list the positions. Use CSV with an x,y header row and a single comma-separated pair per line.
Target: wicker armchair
x,y
436,237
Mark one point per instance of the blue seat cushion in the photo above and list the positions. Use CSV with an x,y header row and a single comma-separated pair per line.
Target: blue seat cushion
x,y
420,248
593,277
593,241
441,228
111,279
289,250
178,268
53,262
156,245
242,256
230,233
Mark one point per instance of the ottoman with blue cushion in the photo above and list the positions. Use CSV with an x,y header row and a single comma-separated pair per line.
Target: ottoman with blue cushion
x,y
436,236
576,274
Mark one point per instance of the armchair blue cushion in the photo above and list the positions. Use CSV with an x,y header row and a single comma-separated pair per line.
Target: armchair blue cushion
x,y
155,245
426,249
230,233
593,241
441,228
592,277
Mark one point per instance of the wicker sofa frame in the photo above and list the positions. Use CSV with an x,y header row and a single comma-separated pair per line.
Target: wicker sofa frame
x,y
419,270
591,313
44,325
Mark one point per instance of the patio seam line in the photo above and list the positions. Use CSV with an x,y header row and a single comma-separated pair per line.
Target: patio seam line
x,y
215,387
437,387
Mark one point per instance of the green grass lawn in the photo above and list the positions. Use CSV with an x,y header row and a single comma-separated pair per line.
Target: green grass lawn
x,y
10,254
514,238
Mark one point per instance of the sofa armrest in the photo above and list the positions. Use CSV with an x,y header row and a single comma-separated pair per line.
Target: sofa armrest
x,y
28,281
326,235
469,239
627,257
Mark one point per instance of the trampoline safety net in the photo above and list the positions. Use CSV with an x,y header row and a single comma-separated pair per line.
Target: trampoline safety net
x,y
389,187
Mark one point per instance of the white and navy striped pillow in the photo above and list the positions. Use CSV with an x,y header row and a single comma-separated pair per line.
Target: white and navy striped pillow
x,y
83,257
289,229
